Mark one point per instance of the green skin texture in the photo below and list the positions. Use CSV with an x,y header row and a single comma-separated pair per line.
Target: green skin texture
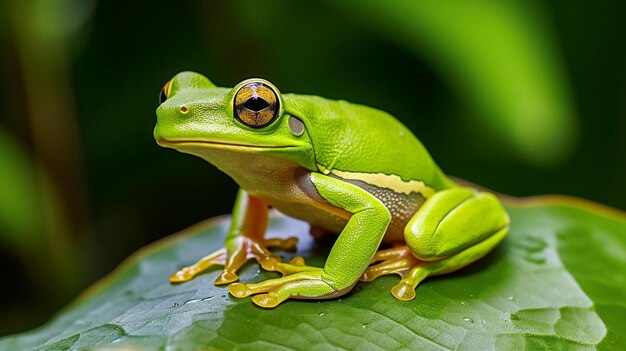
x,y
452,228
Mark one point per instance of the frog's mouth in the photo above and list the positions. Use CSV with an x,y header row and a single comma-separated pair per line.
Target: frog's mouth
x,y
205,144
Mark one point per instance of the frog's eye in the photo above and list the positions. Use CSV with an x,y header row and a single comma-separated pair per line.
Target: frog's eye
x,y
165,91
256,105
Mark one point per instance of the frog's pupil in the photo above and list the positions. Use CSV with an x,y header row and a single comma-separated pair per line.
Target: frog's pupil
x,y
256,104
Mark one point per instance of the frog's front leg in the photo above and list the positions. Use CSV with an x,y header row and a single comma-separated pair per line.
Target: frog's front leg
x,y
452,229
349,257
245,240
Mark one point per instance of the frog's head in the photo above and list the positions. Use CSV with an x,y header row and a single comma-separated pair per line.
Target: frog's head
x,y
197,117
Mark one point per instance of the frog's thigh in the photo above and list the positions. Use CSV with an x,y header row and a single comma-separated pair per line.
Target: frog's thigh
x,y
453,220
405,289
452,229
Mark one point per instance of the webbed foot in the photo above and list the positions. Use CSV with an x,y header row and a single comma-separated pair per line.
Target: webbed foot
x,y
270,293
240,250
397,260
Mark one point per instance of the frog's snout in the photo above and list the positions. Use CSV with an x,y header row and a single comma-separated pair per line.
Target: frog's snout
x,y
168,117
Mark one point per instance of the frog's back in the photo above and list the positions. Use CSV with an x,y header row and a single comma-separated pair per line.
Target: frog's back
x,y
352,138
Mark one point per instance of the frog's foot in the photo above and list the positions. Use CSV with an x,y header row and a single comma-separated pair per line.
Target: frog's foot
x,y
398,260
240,250
303,285
296,265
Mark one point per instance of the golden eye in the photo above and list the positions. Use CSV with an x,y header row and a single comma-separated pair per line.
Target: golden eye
x,y
165,91
256,105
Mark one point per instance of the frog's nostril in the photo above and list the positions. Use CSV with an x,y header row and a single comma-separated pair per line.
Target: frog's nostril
x,y
256,104
184,109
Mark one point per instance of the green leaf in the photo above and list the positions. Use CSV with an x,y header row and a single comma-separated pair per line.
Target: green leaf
x,y
556,282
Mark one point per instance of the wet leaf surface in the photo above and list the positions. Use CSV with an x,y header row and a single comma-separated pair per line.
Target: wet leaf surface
x,y
558,281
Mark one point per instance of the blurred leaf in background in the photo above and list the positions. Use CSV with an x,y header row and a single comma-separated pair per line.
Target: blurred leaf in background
x,y
18,201
524,97
500,57
32,229
43,207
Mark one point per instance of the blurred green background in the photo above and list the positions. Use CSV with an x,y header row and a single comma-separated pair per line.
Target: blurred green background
x,y
524,97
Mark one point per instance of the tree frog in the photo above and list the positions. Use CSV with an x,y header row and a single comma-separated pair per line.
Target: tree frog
x,y
344,168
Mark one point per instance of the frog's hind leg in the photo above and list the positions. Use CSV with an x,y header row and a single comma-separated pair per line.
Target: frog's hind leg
x,y
452,229
405,289
399,260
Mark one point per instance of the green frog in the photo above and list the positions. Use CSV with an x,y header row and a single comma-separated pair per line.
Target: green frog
x,y
346,169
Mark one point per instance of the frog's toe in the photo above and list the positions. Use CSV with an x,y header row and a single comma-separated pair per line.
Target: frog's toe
x,y
226,277
239,290
187,273
404,291
297,261
296,265
182,275
393,253
396,266
400,261
272,292
397,260
239,250
270,263
269,300
285,244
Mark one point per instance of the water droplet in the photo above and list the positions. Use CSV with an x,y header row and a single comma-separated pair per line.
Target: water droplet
x,y
175,304
535,244
365,325
192,301
321,314
462,302
468,319
514,317
207,298
510,298
535,260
